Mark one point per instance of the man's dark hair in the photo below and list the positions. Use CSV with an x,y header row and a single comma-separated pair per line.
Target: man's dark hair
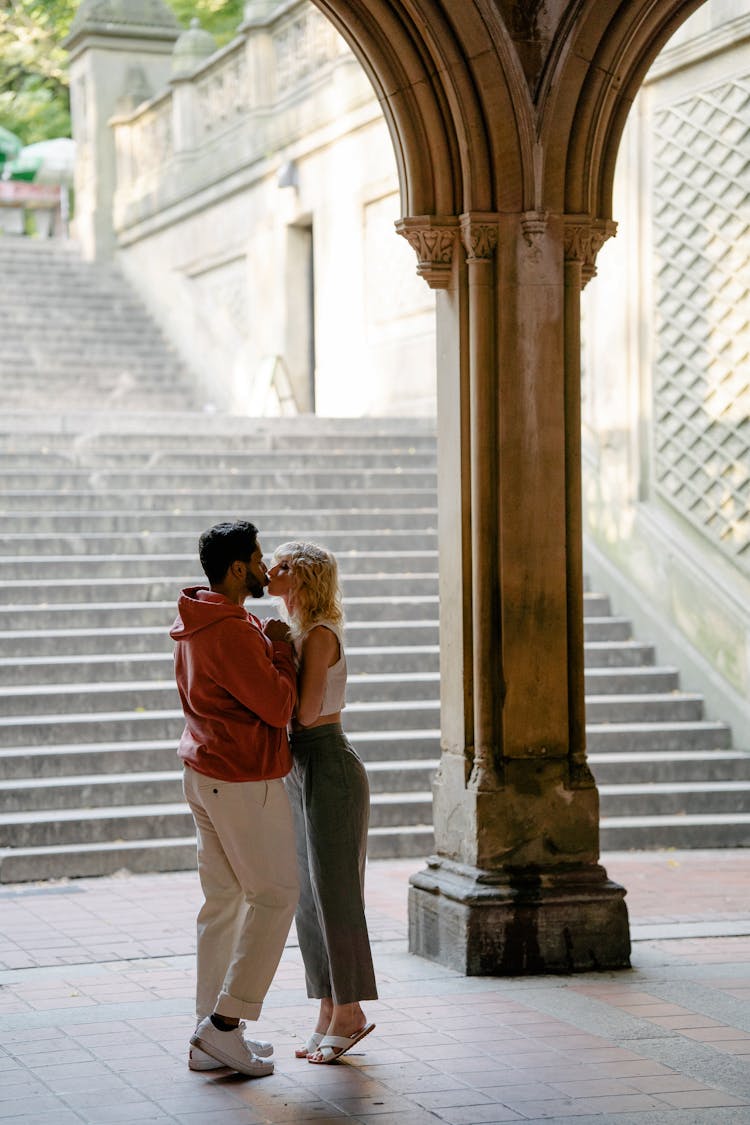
x,y
224,544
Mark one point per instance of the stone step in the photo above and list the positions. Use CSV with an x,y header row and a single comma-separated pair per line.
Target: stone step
x,y
157,787
618,654
96,568
608,680
178,517
45,454
672,798
161,695
301,480
108,397
154,821
22,763
97,590
250,500
92,362
710,830
670,766
136,725
52,618
676,707
73,543
190,429
204,446
106,668
607,629
705,735
18,865
146,639
30,335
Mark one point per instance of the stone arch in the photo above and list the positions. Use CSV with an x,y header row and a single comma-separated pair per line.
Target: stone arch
x,y
506,119
483,118
621,45
448,90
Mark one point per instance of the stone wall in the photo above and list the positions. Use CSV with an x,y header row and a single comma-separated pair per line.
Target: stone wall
x,y
666,382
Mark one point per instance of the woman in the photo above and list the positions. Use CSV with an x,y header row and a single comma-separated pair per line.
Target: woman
x,y
330,799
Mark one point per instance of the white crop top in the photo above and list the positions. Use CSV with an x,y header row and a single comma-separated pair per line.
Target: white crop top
x,y
334,696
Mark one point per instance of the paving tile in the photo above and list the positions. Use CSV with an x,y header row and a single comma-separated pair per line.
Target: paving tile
x,y
623,1103
595,1089
241,1116
414,1116
45,1107
380,1104
678,1023
478,1114
714,1034
530,1091
702,1099
733,1047
665,1083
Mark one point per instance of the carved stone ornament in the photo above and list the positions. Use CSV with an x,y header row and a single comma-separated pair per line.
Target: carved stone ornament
x,y
584,239
479,236
533,226
433,238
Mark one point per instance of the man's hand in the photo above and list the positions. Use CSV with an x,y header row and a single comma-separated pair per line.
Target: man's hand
x,y
277,630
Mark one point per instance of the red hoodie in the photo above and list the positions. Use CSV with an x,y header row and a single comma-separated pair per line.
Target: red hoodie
x,y
238,690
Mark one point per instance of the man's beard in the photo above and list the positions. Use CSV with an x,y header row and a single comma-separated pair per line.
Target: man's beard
x,y
255,589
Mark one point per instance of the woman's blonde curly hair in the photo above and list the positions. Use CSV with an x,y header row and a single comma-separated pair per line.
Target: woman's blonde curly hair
x,y
317,596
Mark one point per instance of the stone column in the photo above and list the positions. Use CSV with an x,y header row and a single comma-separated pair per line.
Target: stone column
x,y
109,42
515,886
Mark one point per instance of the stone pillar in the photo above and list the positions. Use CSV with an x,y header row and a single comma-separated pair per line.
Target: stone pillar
x,y
515,886
109,42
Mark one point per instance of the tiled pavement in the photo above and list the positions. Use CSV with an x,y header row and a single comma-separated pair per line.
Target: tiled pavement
x,y
96,983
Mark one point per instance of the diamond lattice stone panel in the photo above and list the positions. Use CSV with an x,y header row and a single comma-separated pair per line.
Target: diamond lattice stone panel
x,y
701,221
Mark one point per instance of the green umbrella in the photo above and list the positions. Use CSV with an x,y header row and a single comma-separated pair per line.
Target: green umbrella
x,y
45,162
10,145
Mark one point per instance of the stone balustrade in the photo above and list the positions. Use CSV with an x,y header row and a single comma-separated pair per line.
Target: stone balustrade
x,y
250,98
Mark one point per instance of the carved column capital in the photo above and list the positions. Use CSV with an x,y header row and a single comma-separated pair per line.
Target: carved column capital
x,y
584,238
433,238
479,235
533,229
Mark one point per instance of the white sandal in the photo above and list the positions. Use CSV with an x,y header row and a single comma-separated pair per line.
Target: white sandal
x,y
332,1047
310,1046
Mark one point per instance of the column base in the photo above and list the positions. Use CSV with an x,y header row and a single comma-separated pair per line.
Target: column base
x,y
515,923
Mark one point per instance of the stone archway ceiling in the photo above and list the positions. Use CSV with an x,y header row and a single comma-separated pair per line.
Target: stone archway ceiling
x,y
506,105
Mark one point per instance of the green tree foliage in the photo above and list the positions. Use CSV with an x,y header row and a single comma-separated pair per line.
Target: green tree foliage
x,y
220,17
34,99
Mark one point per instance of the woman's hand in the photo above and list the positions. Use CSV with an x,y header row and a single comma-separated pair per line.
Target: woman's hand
x,y
277,630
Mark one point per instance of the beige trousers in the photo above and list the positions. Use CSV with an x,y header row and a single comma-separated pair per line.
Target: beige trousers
x,y
248,872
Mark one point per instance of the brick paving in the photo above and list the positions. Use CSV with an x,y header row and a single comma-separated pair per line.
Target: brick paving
x,y
96,988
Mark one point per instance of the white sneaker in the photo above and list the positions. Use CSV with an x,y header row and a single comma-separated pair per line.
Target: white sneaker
x,y
229,1049
199,1060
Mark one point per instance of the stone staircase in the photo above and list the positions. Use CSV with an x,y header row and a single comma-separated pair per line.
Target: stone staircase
x,y
76,333
104,491
100,516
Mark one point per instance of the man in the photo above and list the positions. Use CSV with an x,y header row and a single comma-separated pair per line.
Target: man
x,y
237,683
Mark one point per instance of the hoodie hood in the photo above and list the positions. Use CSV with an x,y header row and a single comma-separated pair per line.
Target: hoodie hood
x,y
198,608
